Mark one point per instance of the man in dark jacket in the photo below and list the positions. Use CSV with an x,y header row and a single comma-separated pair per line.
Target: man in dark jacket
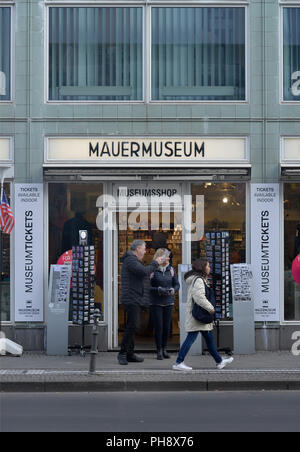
x,y
133,275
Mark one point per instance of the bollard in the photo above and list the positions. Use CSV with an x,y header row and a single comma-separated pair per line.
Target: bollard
x,y
94,349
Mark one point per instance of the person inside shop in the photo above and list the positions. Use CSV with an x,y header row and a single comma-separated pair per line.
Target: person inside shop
x,y
70,235
201,294
164,285
132,281
159,239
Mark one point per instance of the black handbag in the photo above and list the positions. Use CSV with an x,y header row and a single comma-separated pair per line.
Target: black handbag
x,y
201,314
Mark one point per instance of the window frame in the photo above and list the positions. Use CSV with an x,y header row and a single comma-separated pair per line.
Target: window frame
x,y
287,4
201,5
11,6
47,56
146,6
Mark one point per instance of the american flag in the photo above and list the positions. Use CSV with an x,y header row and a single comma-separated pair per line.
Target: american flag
x,y
7,221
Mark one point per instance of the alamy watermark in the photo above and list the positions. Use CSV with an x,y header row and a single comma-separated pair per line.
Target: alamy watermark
x,y
2,344
163,210
296,345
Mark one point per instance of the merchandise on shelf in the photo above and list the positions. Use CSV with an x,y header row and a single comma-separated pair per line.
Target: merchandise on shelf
x,y
218,254
83,284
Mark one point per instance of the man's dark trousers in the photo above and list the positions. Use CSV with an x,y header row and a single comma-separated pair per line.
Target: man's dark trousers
x,y
133,312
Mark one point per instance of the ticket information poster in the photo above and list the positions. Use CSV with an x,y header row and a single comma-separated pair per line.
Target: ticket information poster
x,y
265,251
241,279
243,309
58,309
29,290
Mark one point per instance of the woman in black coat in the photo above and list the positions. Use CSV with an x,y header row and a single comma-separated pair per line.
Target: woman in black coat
x,y
164,285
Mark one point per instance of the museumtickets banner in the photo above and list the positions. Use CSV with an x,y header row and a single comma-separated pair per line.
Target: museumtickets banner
x,y
29,290
265,251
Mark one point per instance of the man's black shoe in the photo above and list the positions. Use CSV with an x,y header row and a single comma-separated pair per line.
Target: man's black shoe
x,y
134,359
160,355
166,354
122,357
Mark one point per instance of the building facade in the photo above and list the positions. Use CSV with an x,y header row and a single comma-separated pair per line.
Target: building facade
x,y
190,100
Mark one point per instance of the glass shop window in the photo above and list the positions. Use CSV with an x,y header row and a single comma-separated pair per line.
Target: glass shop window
x,y
291,250
72,208
224,239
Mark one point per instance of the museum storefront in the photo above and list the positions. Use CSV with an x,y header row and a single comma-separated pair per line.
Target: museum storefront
x,y
170,192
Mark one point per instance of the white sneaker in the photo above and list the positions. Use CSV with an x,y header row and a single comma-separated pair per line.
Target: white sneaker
x,y
182,367
224,363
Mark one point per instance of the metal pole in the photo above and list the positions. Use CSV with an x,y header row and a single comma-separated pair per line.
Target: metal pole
x,y
94,349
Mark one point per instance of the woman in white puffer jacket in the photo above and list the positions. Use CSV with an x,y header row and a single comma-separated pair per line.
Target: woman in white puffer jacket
x,y
199,292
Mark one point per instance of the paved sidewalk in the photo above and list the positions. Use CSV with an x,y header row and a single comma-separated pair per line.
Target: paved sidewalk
x,y
38,372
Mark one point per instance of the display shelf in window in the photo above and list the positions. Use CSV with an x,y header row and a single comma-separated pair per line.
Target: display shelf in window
x,y
217,251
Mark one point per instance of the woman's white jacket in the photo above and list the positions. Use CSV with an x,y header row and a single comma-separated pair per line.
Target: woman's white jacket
x,y
196,292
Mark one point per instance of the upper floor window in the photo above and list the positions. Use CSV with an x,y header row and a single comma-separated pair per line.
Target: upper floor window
x,y
198,54
192,54
5,54
95,54
291,54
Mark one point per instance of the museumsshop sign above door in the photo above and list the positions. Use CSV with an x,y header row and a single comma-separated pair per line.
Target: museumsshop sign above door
x,y
124,151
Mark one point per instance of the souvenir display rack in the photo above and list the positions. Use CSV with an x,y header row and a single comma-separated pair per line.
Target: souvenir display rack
x,y
83,288
83,284
217,251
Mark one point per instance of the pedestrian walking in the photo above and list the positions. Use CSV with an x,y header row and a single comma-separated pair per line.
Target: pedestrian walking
x,y
133,275
201,294
164,285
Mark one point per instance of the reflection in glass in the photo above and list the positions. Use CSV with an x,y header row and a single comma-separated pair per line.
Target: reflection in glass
x,y
72,207
224,240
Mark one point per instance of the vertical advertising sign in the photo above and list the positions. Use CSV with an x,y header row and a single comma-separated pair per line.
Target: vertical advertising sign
x,y
243,309
58,309
29,293
265,251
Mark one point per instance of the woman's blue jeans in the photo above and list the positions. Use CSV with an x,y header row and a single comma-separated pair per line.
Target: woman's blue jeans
x,y
210,342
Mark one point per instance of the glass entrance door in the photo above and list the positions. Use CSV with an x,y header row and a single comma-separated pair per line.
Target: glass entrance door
x,y
167,234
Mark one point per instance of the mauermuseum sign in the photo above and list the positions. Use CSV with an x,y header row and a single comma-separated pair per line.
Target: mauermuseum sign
x,y
146,151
